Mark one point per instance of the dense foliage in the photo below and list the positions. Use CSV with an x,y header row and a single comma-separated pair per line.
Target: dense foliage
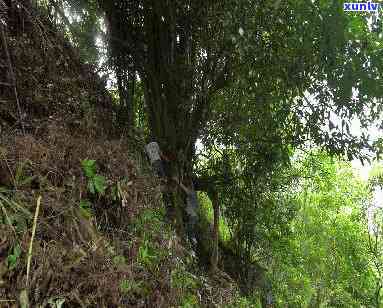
x,y
326,258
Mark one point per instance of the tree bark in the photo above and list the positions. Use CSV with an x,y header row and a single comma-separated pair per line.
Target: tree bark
x,y
126,84
214,256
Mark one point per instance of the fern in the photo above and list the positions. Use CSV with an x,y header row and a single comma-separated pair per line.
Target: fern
x,y
96,182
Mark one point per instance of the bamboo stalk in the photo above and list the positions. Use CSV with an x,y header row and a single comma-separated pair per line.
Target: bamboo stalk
x,y
32,237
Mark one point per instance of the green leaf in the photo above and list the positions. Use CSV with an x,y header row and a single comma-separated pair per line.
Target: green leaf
x,y
13,258
85,204
85,208
17,251
99,183
89,167
56,302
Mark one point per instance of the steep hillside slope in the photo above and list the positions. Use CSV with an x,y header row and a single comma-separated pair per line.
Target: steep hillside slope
x,y
41,75
81,217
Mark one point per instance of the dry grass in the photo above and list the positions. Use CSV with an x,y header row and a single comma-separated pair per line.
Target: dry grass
x,y
69,253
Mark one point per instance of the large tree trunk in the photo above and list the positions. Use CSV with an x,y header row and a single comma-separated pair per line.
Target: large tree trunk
x,y
126,84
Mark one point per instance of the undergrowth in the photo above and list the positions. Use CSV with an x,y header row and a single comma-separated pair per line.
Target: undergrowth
x,y
105,243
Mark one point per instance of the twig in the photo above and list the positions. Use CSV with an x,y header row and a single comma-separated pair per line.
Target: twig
x,y
33,235
10,67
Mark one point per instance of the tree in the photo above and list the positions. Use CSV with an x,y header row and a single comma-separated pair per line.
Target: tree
x,y
374,224
269,56
254,79
325,259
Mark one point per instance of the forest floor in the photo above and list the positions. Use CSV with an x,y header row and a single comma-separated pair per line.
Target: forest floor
x,y
98,237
